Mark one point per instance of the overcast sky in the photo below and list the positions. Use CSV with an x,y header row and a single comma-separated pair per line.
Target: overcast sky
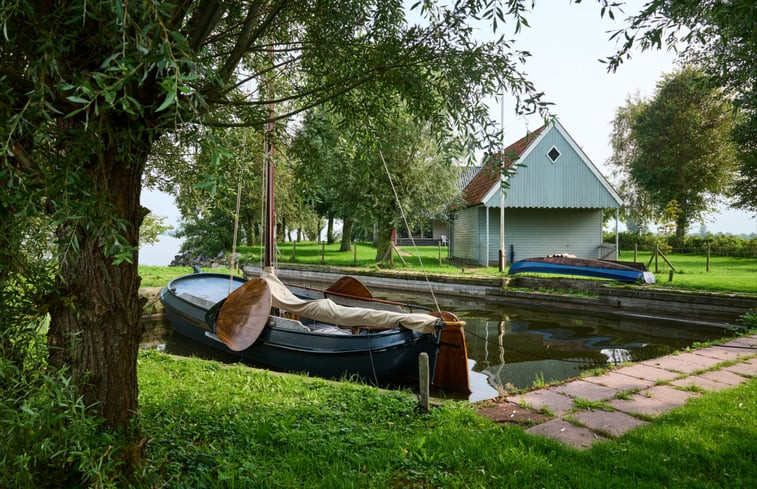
x,y
566,41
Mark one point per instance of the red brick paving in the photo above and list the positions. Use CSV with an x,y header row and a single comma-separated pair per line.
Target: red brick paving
x,y
620,382
566,432
725,377
647,372
544,398
748,369
700,382
700,368
721,353
612,423
653,402
685,362
586,390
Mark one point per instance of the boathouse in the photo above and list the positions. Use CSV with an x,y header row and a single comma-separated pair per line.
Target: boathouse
x,y
554,204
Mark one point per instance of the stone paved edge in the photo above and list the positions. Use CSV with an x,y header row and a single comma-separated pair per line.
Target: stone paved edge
x,y
688,374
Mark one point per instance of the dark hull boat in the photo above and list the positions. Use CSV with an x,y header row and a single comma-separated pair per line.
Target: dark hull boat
x,y
289,341
562,265
341,332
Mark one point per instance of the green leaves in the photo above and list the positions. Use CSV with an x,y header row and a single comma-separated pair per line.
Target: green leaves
x,y
676,147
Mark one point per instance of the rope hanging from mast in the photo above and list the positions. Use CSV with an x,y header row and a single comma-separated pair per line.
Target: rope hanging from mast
x,y
409,233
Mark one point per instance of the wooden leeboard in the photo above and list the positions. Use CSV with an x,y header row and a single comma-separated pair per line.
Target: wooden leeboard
x,y
350,286
452,362
244,314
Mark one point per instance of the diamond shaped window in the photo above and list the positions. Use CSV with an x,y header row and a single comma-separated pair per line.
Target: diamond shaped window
x,y
553,154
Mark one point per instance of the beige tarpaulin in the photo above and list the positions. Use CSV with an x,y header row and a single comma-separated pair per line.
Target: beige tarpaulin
x,y
327,311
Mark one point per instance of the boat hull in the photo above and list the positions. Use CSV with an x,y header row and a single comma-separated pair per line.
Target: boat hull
x,y
382,357
585,268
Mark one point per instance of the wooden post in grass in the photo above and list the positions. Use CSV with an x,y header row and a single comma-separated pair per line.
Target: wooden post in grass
x,y
708,257
670,276
354,253
440,252
323,251
635,251
294,250
656,254
423,381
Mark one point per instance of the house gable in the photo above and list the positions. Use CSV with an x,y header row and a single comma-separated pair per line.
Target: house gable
x,y
553,172
488,176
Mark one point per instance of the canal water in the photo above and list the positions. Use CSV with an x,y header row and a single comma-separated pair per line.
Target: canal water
x,y
511,347
514,347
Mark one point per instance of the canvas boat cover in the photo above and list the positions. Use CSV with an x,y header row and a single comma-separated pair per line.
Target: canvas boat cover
x,y
327,311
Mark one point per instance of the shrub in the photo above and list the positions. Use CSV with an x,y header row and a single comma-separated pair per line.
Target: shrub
x,y
749,320
47,437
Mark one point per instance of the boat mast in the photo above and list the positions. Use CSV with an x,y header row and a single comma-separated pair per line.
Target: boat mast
x,y
269,242
503,170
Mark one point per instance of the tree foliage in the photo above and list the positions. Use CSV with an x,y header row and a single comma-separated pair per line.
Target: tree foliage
x,y
721,38
386,171
151,229
637,211
88,87
677,147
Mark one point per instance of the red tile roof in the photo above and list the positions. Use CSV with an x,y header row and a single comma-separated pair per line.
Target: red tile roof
x,y
489,174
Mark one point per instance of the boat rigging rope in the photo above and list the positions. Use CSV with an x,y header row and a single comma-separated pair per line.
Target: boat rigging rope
x,y
409,233
370,355
264,180
232,265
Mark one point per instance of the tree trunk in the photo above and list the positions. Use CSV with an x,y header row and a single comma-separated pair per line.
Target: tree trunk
x,y
383,250
682,225
94,327
330,230
346,244
280,230
248,223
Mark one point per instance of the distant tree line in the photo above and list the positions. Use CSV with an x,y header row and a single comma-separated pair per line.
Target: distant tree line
x,y
719,244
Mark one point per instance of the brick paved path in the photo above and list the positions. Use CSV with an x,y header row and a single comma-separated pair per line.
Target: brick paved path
x,y
634,394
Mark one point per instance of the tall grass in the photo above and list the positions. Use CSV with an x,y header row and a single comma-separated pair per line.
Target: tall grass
x,y
220,426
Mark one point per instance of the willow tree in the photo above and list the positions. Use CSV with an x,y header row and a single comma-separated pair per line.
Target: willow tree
x,y
682,151
89,86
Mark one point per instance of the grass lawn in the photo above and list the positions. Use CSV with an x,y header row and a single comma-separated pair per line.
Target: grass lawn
x,y
221,426
727,274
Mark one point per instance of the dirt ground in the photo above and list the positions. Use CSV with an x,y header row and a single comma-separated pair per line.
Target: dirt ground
x,y
502,411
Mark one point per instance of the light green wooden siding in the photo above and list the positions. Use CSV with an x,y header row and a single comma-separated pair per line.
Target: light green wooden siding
x,y
466,234
567,183
542,232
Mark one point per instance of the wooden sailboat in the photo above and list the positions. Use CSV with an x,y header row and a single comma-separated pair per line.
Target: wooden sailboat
x,y
335,333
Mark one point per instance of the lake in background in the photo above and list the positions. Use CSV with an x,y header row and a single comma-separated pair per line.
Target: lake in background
x,y
160,253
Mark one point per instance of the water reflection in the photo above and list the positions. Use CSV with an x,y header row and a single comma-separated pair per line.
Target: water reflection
x,y
516,348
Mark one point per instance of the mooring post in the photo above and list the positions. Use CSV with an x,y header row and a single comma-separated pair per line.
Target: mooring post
x,y
423,381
